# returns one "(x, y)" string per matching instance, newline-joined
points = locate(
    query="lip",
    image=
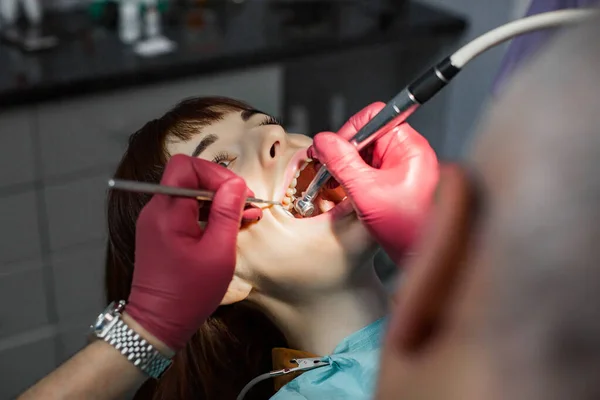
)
(290, 171)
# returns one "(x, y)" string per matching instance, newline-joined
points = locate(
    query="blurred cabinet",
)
(17, 150)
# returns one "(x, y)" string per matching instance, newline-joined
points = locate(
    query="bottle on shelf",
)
(129, 21)
(154, 43)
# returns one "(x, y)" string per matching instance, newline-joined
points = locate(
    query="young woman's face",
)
(282, 251)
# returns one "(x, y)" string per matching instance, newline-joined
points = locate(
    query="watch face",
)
(104, 318)
(98, 325)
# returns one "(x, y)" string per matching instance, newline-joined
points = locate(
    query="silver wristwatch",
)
(110, 327)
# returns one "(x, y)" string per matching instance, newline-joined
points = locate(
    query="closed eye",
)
(224, 159)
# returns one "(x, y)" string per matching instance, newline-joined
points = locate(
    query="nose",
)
(273, 146)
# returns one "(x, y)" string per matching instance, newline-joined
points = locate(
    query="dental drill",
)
(421, 90)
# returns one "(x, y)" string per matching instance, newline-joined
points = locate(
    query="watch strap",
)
(137, 350)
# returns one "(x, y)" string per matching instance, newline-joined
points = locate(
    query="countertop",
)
(92, 58)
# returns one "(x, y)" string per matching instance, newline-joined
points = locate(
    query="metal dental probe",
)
(143, 187)
(435, 79)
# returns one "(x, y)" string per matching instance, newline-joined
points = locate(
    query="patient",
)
(307, 284)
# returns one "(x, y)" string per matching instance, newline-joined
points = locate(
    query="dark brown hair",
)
(234, 345)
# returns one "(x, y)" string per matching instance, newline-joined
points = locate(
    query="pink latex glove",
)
(392, 190)
(181, 270)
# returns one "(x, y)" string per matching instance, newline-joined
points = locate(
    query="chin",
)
(307, 260)
(311, 253)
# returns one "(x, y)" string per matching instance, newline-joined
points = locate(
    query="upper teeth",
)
(289, 198)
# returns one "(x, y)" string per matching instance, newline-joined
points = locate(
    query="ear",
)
(428, 291)
(237, 291)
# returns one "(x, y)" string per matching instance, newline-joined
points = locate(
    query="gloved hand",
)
(182, 271)
(391, 184)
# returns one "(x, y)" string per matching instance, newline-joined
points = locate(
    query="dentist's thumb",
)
(342, 160)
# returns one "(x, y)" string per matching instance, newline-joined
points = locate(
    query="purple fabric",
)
(524, 46)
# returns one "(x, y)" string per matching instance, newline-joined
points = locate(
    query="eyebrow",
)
(204, 143)
(210, 139)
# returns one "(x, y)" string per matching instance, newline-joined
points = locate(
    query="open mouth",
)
(325, 201)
